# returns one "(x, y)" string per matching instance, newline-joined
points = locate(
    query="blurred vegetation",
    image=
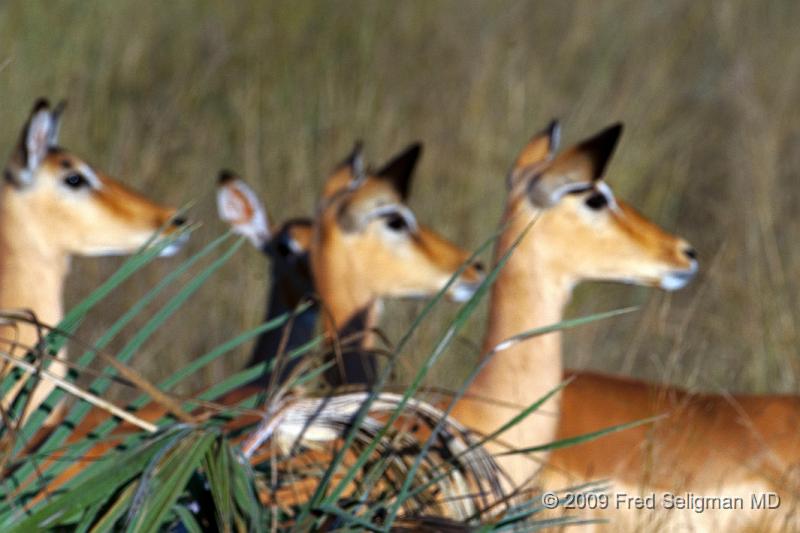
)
(164, 94)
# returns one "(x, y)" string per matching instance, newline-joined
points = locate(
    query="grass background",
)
(164, 94)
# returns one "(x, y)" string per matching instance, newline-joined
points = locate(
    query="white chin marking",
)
(673, 282)
(175, 246)
(462, 292)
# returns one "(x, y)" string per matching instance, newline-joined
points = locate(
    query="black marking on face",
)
(396, 222)
(597, 201)
(75, 180)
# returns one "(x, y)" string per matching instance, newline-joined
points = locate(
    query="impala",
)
(54, 205)
(707, 444)
(368, 245)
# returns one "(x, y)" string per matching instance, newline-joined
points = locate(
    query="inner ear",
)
(541, 147)
(400, 169)
(346, 218)
(39, 132)
(349, 174)
(239, 207)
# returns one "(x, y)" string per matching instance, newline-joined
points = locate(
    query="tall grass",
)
(163, 94)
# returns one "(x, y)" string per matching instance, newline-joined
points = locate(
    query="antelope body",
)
(710, 445)
(54, 205)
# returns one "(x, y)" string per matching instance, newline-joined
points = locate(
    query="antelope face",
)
(582, 229)
(69, 206)
(366, 230)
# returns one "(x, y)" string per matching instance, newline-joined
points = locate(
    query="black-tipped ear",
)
(400, 169)
(226, 176)
(55, 117)
(40, 104)
(34, 141)
(600, 148)
(357, 165)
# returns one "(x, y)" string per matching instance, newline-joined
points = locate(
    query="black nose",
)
(691, 253)
(477, 265)
(179, 221)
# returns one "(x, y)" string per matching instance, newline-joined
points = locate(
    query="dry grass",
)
(164, 94)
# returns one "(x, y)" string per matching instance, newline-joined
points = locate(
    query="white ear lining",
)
(239, 207)
(37, 140)
(359, 171)
(555, 138)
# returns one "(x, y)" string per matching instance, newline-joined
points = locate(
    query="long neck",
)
(283, 300)
(350, 312)
(31, 273)
(351, 321)
(528, 294)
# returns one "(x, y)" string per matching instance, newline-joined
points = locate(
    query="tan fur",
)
(43, 223)
(353, 270)
(707, 444)
(566, 244)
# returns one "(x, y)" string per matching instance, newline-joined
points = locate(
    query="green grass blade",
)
(187, 519)
(76, 415)
(101, 384)
(460, 320)
(172, 479)
(560, 326)
(382, 380)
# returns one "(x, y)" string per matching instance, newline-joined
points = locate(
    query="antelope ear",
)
(239, 207)
(536, 153)
(574, 169)
(39, 130)
(36, 138)
(400, 169)
(350, 173)
(55, 116)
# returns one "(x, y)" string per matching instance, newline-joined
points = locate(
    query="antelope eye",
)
(597, 201)
(396, 222)
(75, 180)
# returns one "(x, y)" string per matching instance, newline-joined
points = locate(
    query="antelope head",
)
(369, 245)
(64, 205)
(582, 230)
